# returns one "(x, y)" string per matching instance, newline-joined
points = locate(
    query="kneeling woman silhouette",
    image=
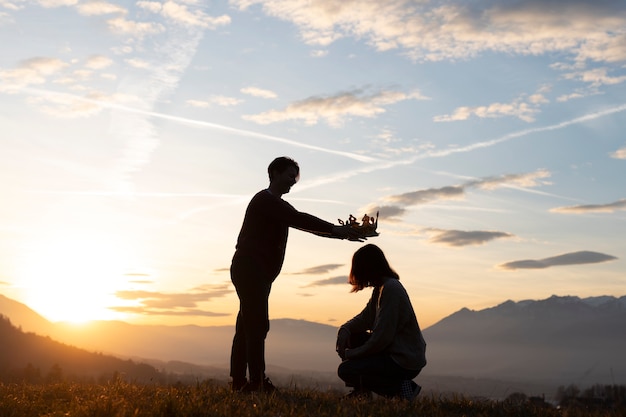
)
(382, 347)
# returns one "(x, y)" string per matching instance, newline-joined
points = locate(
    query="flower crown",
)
(367, 227)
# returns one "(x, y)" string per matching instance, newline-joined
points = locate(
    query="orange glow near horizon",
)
(73, 277)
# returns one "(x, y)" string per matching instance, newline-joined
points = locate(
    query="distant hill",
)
(556, 341)
(560, 339)
(33, 358)
(22, 316)
(294, 344)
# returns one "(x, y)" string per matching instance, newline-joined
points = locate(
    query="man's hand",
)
(348, 232)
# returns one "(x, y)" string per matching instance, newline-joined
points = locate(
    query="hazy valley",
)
(530, 346)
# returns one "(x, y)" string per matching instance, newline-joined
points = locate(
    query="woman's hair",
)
(280, 164)
(369, 268)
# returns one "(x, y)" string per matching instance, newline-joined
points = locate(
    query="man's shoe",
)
(238, 383)
(264, 385)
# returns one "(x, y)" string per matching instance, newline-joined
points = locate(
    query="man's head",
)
(280, 165)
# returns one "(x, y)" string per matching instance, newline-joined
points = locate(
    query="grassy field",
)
(121, 399)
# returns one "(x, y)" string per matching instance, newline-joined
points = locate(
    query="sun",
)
(73, 277)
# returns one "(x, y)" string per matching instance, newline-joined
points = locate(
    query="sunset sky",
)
(490, 136)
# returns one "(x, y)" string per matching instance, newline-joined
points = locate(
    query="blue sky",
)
(489, 135)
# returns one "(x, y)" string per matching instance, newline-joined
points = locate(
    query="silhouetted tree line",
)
(596, 396)
(32, 358)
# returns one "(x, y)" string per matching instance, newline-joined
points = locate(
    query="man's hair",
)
(369, 267)
(280, 164)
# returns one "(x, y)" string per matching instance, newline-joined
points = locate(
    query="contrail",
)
(201, 123)
(486, 144)
(521, 133)
(383, 165)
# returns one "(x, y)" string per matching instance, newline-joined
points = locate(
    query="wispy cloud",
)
(199, 123)
(98, 62)
(573, 258)
(593, 208)
(431, 31)
(258, 92)
(596, 77)
(318, 270)
(524, 110)
(393, 212)
(29, 72)
(335, 109)
(394, 206)
(343, 279)
(619, 154)
(182, 15)
(100, 8)
(464, 238)
(172, 304)
(522, 133)
(218, 100)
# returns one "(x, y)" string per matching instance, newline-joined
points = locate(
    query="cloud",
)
(432, 31)
(596, 77)
(181, 14)
(56, 3)
(219, 100)
(172, 304)
(13, 6)
(334, 109)
(204, 124)
(573, 258)
(343, 279)
(619, 154)
(464, 238)
(521, 110)
(572, 96)
(98, 62)
(124, 26)
(318, 270)
(165, 312)
(30, 72)
(67, 106)
(138, 63)
(458, 191)
(527, 180)
(593, 208)
(524, 108)
(390, 213)
(455, 192)
(99, 8)
(141, 281)
(258, 92)
(427, 195)
(319, 53)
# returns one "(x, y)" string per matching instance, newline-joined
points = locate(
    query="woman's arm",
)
(385, 325)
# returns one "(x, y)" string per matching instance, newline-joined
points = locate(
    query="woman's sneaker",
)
(409, 390)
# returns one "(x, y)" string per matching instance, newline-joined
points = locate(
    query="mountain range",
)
(560, 340)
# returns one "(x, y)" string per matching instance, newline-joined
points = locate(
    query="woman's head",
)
(369, 268)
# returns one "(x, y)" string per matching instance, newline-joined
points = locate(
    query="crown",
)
(367, 227)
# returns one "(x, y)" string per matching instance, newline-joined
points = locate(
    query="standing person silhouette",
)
(382, 347)
(257, 261)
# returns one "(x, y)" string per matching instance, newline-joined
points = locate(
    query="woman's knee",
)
(346, 371)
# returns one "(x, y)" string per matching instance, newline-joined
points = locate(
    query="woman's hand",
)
(343, 339)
